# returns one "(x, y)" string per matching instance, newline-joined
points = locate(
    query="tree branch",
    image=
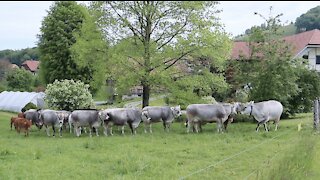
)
(134, 31)
(135, 60)
(174, 34)
(179, 58)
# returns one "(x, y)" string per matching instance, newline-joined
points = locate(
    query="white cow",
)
(164, 114)
(198, 114)
(263, 112)
(231, 111)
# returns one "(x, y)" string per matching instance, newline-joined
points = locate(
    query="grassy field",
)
(241, 153)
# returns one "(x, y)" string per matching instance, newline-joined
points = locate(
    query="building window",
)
(317, 59)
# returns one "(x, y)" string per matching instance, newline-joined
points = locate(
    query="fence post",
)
(316, 114)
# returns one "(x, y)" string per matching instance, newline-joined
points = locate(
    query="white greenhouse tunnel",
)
(15, 101)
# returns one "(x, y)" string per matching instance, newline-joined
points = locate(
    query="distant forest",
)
(19, 56)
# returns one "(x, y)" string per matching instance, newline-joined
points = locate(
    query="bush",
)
(243, 118)
(20, 80)
(68, 95)
(29, 106)
(181, 118)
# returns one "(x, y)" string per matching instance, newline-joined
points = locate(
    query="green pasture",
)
(241, 153)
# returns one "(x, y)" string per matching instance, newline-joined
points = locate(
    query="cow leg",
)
(145, 126)
(276, 124)
(111, 131)
(105, 131)
(257, 128)
(190, 125)
(97, 131)
(77, 130)
(168, 126)
(130, 125)
(265, 126)
(105, 126)
(54, 131)
(90, 130)
(47, 130)
(218, 126)
(60, 131)
(70, 127)
(122, 130)
(200, 127)
(150, 129)
(196, 126)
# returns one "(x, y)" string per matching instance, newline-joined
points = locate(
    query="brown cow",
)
(21, 115)
(24, 124)
(13, 119)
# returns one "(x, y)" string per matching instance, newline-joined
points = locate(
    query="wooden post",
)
(316, 114)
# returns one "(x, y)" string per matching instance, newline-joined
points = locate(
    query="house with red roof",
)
(305, 45)
(31, 65)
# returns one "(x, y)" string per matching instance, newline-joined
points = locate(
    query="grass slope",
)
(239, 154)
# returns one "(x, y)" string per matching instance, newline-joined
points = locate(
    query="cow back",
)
(85, 117)
(157, 113)
(49, 117)
(273, 109)
(206, 112)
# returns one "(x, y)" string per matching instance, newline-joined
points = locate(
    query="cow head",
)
(104, 116)
(236, 107)
(246, 108)
(61, 117)
(176, 111)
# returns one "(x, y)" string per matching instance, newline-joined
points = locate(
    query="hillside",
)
(287, 30)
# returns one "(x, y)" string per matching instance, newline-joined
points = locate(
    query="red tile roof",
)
(299, 42)
(31, 65)
(240, 49)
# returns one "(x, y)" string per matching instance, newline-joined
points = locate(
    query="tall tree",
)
(308, 21)
(63, 19)
(153, 39)
(4, 68)
(20, 80)
(90, 53)
(271, 72)
(62, 45)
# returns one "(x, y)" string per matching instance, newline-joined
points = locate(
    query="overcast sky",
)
(20, 21)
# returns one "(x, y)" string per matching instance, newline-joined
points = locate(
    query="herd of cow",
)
(197, 115)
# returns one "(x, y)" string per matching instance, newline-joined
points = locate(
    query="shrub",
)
(20, 80)
(29, 106)
(68, 95)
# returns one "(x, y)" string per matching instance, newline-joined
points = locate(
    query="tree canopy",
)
(70, 45)
(152, 42)
(309, 20)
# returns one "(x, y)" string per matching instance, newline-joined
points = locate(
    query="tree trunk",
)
(145, 95)
(146, 43)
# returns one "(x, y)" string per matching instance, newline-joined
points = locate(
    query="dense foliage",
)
(64, 52)
(20, 80)
(19, 56)
(309, 20)
(272, 73)
(153, 40)
(68, 95)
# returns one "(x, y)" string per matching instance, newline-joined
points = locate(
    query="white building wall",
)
(312, 52)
